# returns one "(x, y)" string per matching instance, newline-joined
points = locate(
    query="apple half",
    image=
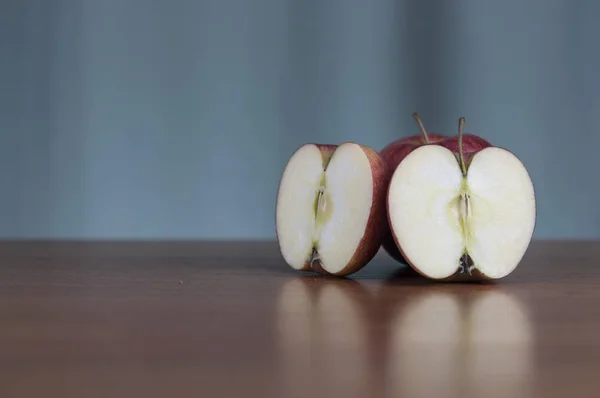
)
(330, 211)
(455, 215)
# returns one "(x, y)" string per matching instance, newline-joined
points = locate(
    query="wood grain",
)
(219, 319)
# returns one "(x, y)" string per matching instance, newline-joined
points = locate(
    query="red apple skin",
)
(393, 154)
(327, 151)
(471, 144)
(397, 150)
(377, 223)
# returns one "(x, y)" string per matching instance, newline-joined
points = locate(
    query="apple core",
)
(323, 209)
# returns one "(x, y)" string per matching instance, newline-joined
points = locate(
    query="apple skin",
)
(396, 151)
(327, 151)
(471, 144)
(376, 225)
(393, 154)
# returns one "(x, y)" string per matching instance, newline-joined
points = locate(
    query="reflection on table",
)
(336, 337)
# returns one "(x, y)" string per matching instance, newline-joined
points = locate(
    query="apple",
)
(462, 209)
(331, 208)
(393, 154)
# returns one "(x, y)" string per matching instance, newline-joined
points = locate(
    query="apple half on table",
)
(330, 211)
(457, 214)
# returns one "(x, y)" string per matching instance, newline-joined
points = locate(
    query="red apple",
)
(397, 150)
(393, 154)
(453, 211)
(330, 212)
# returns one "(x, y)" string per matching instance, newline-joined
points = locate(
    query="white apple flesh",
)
(330, 212)
(451, 217)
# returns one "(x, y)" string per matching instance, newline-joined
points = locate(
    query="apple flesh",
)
(454, 214)
(393, 154)
(330, 211)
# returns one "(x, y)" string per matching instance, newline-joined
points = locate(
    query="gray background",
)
(174, 119)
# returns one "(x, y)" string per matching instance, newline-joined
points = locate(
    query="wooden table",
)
(189, 319)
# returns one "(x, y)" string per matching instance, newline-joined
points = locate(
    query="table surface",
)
(213, 319)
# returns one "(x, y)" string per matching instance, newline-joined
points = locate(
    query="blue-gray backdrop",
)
(174, 119)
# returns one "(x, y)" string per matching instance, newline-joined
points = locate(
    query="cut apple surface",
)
(450, 217)
(330, 212)
(393, 154)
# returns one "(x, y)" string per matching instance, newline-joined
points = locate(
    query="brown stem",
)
(461, 156)
(420, 123)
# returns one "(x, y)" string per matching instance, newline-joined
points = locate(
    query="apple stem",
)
(461, 156)
(421, 126)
